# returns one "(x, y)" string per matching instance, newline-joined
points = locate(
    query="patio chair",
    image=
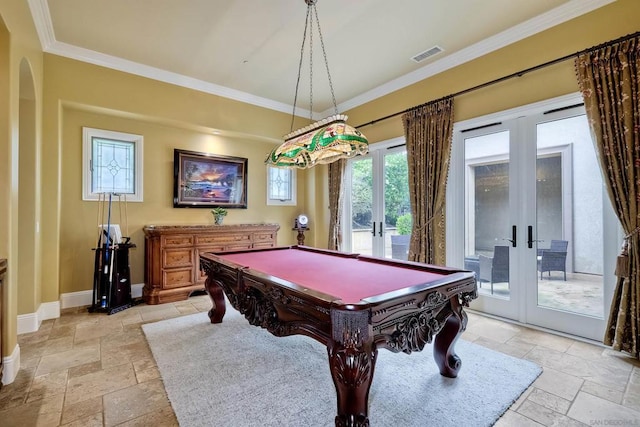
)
(400, 246)
(495, 269)
(554, 258)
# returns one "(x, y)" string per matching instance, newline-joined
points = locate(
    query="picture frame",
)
(205, 180)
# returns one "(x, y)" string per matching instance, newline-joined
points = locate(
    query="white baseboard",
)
(85, 298)
(136, 290)
(49, 310)
(75, 299)
(11, 366)
(28, 323)
(31, 322)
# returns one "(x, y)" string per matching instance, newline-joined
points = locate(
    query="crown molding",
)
(572, 9)
(42, 21)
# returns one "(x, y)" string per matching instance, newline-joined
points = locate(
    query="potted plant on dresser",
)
(218, 215)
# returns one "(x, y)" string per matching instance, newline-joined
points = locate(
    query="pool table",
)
(351, 303)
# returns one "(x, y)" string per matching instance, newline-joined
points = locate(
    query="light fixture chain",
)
(326, 61)
(327, 140)
(304, 39)
(311, 61)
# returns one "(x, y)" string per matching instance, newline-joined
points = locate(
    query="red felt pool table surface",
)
(350, 279)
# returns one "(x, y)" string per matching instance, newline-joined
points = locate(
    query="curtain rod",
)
(508, 77)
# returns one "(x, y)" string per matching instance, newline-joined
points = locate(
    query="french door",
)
(377, 218)
(528, 213)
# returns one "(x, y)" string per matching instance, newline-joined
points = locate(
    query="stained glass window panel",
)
(281, 186)
(113, 166)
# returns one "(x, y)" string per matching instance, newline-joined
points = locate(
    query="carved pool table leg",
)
(352, 368)
(443, 347)
(217, 298)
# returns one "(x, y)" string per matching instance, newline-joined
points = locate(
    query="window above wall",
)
(111, 163)
(281, 186)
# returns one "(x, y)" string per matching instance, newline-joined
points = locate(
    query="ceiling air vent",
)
(427, 54)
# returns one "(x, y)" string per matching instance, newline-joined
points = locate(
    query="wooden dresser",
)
(3, 271)
(172, 254)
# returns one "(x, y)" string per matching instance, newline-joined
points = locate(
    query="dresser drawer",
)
(238, 246)
(262, 237)
(264, 245)
(222, 239)
(264, 240)
(178, 240)
(177, 258)
(177, 278)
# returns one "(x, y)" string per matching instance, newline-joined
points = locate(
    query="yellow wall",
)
(28, 297)
(78, 230)
(70, 94)
(8, 291)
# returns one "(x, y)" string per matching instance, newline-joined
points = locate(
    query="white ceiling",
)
(249, 50)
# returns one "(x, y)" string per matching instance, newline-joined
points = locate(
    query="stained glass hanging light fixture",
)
(324, 141)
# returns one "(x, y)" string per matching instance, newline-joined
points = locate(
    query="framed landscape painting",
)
(204, 180)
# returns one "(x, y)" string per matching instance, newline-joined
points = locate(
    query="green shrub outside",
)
(403, 224)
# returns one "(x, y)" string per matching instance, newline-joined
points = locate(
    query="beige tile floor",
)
(97, 370)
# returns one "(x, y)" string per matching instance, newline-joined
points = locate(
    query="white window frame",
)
(88, 135)
(292, 179)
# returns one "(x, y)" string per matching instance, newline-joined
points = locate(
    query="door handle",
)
(513, 236)
(530, 239)
(374, 229)
(380, 232)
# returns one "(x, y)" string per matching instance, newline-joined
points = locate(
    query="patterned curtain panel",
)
(428, 131)
(609, 79)
(336, 172)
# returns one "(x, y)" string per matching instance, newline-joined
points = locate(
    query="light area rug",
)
(233, 374)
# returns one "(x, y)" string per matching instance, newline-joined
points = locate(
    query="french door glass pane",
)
(487, 220)
(397, 208)
(362, 206)
(569, 213)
